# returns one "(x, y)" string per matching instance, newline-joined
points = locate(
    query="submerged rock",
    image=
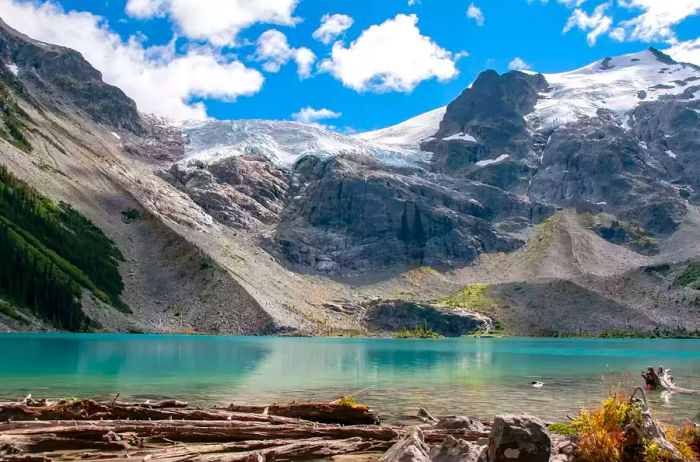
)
(519, 438)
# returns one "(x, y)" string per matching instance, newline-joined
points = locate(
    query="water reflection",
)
(475, 377)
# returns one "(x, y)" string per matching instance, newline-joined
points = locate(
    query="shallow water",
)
(475, 377)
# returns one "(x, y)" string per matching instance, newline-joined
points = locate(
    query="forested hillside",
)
(48, 253)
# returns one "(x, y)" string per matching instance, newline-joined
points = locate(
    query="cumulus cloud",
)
(391, 56)
(596, 23)
(155, 77)
(657, 18)
(652, 20)
(475, 13)
(217, 21)
(273, 51)
(332, 26)
(518, 64)
(687, 52)
(311, 116)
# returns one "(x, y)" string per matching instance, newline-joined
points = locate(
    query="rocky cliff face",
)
(352, 213)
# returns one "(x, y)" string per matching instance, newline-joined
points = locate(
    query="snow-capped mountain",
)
(618, 84)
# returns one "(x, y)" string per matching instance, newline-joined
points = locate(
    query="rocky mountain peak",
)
(492, 99)
(63, 80)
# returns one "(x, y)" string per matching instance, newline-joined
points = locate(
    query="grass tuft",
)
(473, 296)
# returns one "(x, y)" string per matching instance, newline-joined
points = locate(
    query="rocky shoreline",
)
(171, 430)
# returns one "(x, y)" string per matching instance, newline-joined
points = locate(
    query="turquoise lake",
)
(475, 377)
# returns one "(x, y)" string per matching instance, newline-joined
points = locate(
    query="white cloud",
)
(155, 77)
(657, 18)
(653, 21)
(217, 21)
(687, 52)
(618, 34)
(597, 23)
(518, 64)
(475, 13)
(274, 51)
(311, 116)
(391, 56)
(305, 60)
(332, 26)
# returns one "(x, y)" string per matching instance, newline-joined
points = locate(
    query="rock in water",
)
(410, 448)
(519, 438)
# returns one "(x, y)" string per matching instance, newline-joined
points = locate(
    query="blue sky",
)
(227, 76)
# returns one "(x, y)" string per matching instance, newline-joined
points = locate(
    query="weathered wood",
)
(50, 442)
(650, 430)
(92, 410)
(209, 432)
(167, 431)
(318, 412)
(661, 379)
(86, 409)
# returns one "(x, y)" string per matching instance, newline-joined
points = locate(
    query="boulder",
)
(519, 438)
(410, 448)
(460, 422)
(454, 450)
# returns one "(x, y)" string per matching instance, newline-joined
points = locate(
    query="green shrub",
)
(419, 332)
(130, 215)
(565, 429)
(689, 277)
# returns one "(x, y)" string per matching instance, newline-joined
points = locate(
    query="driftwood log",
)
(317, 412)
(650, 430)
(662, 379)
(169, 431)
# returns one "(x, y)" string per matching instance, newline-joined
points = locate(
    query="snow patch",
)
(671, 154)
(116, 135)
(615, 87)
(485, 162)
(409, 133)
(13, 68)
(461, 136)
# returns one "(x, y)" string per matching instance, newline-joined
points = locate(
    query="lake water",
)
(475, 377)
